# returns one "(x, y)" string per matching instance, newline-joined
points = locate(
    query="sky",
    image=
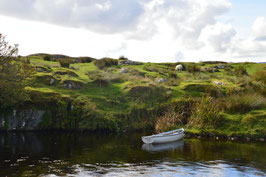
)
(142, 30)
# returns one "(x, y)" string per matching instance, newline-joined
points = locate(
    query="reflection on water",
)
(86, 154)
(163, 146)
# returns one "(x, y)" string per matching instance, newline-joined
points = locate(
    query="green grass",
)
(115, 98)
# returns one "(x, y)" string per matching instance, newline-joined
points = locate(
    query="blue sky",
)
(244, 13)
(144, 30)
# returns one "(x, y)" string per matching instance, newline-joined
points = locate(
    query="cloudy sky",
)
(143, 30)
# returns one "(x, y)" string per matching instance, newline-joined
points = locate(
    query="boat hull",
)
(164, 138)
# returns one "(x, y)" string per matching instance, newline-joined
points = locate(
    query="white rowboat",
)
(165, 137)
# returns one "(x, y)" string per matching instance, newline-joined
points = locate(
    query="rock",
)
(41, 69)
(248, 139)
(199, 137)
(219, 83)
(213, 70)
(203, 69)
(124, 70)
(261, 139)
(52, 80)
(23, 119)
(161, 80)
(71, 84)
(129, 62)
(221, 66)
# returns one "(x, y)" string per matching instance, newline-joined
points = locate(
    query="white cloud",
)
(105, 16)
(259, 28)
(218, 36)
(147, 30)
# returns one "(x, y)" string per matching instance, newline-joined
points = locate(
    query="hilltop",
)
(207, 98)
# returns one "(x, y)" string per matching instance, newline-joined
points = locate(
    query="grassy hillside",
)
(106, 95)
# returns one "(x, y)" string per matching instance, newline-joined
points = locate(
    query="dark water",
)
(77, 154)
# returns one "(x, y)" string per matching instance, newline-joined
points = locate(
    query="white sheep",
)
(179, 68)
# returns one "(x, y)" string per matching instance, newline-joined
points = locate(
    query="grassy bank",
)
(110, 94)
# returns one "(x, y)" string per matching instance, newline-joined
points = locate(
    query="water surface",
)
(87, 154)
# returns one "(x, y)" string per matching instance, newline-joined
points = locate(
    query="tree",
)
(13, 72)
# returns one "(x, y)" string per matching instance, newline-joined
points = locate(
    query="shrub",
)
(47, 58)
(241, 71)
(206, 112)
(87, 59)
(122, 58)
(95, 74)
(147, 93)
(260, 76)
(169, 121)
(248, 119)
(172, 75)
(65, 62)
(192, 68)
(243, 103)
(105, 62)
(101, 82)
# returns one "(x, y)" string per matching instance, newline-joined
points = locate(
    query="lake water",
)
(88, 154)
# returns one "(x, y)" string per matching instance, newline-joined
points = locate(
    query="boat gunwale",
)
(165, 134)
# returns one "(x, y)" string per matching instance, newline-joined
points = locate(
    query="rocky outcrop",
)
(219, 83)
(22, 120)
(161, 80)
(124, 70)
(129, 62)
(71, 84)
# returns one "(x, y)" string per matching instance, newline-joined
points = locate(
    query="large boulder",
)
(161, 80)
(72, 84)
(219, 83)
(129, 62)
(22, 120)
(124, 70)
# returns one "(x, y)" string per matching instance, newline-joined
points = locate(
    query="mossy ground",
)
(117, 97)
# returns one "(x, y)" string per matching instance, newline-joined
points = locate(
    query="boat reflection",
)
(163, 146)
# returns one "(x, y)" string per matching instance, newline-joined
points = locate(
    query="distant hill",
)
(60, 56)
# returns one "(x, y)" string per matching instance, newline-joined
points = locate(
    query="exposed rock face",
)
(22, 120)
(211, 69)
(128, 62)
(41, 69)
(124, 70)
(221, 66)
(219, 83)
(52, 80)
(71, 84)
(161, 80)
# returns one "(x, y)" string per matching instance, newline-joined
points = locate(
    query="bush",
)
(101, 82)
(86, 59)
(65, 62)
(122, 58)
(172, 75)
(95, 74)
(192, 68)
(169, 121)
(105, 62)
(206, 112)
(260, 76)
(243, 103)
(241, 71)
(47, 58)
